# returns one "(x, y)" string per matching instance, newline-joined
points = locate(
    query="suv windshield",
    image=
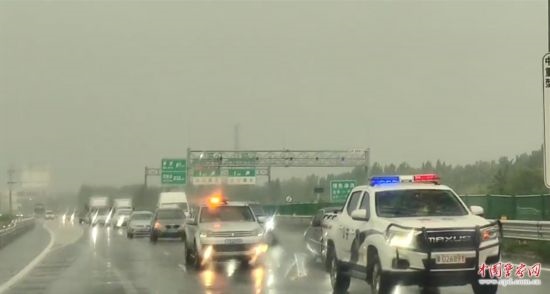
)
(170, 214)
(226, 214)
(258, 210)
(415, 203)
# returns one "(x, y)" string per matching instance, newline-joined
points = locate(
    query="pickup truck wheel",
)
(340, 282)
(380, 283)
(483, 289)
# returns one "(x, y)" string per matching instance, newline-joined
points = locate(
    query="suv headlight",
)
(402, 238)
(489, 233)
(259, 232)
(270, 224)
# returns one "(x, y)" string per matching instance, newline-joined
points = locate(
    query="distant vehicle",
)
(120, 217)
(315, 234)
(167, 223)
(139, 224)
(100, 216)
(99, 210)
(168, 199)
(39, 210)
(222, 229)
(122, 203)
(49, 215)
(267, 222)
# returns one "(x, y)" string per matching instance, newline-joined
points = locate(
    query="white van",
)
(170, 199)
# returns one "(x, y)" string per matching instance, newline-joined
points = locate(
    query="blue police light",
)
(384, 180)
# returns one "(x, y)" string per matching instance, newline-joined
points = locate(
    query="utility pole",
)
(236, 136)
(11, 182)
(145, 177)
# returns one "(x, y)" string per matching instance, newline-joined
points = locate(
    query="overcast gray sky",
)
(97, 90)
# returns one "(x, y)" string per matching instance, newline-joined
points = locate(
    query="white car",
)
(120, 217)
(49, 215)
(139, 224)
(224, 230)
(410, 230)
(100, 216)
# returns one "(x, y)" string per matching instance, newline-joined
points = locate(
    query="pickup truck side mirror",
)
(360, 215)
(477, 210)
(262, 219)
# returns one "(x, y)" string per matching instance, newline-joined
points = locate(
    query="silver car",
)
(139, 224)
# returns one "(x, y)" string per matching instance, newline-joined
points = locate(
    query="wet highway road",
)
(102, 260)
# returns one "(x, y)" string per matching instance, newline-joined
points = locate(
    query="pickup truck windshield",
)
(226, 214)
(418, 203)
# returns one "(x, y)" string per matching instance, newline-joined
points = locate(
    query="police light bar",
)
(421, 178)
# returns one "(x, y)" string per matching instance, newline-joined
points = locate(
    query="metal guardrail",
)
(526, 230)
(511, 229)
(14, 229)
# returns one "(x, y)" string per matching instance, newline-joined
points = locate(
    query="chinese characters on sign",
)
(546, 108)
(173, 171)
(340, 189)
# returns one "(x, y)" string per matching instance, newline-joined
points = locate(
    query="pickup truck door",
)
(361, 228)
(347, 227)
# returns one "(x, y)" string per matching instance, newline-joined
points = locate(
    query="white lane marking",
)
(29, 267)
(182, 267)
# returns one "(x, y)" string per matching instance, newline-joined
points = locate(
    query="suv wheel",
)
(188, 253)
(339, 281)
(380, 283)
(197, 260)
(153, 238)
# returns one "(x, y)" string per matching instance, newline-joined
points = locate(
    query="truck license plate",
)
(450, 259)
(233, 241)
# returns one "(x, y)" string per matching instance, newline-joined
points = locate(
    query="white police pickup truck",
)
(410, 230)
(222, 230)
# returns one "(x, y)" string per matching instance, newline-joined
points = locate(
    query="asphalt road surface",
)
(102, 260)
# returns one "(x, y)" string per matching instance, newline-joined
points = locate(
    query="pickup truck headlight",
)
(489, 233)
(402, 238)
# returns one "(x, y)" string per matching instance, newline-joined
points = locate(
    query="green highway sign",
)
(340, 189)
(241, 176)
(213, 172)
(173, 171)
(242, 172)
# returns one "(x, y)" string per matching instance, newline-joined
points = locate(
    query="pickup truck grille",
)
(448, 240)
(231, 247)
(231, 234)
